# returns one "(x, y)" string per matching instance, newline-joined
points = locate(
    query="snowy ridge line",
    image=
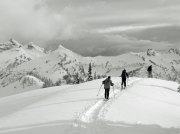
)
(91, 114)
(104, 109)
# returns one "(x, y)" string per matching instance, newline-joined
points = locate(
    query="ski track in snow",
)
(99, 108)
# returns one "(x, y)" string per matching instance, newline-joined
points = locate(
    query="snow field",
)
(145, 106)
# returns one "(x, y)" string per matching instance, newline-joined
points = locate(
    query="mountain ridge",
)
(64, 66)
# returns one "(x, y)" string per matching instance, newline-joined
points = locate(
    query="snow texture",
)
(145, 106)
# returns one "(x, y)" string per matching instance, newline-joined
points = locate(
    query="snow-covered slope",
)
(20, 60)
(25, 84)
(62, 61)
(13, 54)
(14, 51)
(146, 106)
(150, 101)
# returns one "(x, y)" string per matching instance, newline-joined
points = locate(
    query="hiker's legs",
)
(107, 93)
(123, 83)
(149, 74)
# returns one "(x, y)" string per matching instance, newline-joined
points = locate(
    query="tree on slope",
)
(90, 73)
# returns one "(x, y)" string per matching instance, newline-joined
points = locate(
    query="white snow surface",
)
(25, 84)
(146, 106)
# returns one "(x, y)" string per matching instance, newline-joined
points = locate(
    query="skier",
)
(150, 71)
(124, 75)
(107, 83)
(179, 88)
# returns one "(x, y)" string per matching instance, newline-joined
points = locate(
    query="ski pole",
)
(99, 89)
(113, 91)
(127, 81)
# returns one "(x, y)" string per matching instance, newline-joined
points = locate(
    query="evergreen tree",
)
(59, 82)
(76, 78)
(90, 72)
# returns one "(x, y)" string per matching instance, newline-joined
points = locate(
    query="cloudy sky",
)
(93, 27)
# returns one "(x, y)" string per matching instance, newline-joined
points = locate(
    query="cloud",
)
(26, 20)
(129, 28)
(109, 45)
(158, 34)
(32, 20)
(89, 27)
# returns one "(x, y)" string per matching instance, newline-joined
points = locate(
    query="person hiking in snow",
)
(124, 75)
(107, 84)
(150, 71)
(179, 88)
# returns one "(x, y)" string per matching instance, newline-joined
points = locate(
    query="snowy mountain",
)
(63, 66)
(146, 106)
(13, 54)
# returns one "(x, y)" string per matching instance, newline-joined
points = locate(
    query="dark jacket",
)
(124, 74)
(107, 83)
(149, 69)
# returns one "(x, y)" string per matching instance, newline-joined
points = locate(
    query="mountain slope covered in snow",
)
(145, 106)
(64, 66)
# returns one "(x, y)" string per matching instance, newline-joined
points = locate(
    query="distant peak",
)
(151, 52)
(12, 43)
(32, 45)
(61, 49)
(174, 50)
(15, 43)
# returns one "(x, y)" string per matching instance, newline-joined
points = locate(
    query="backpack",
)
(149, 68)
(103, 82)
(107, 83)
(124, 74)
